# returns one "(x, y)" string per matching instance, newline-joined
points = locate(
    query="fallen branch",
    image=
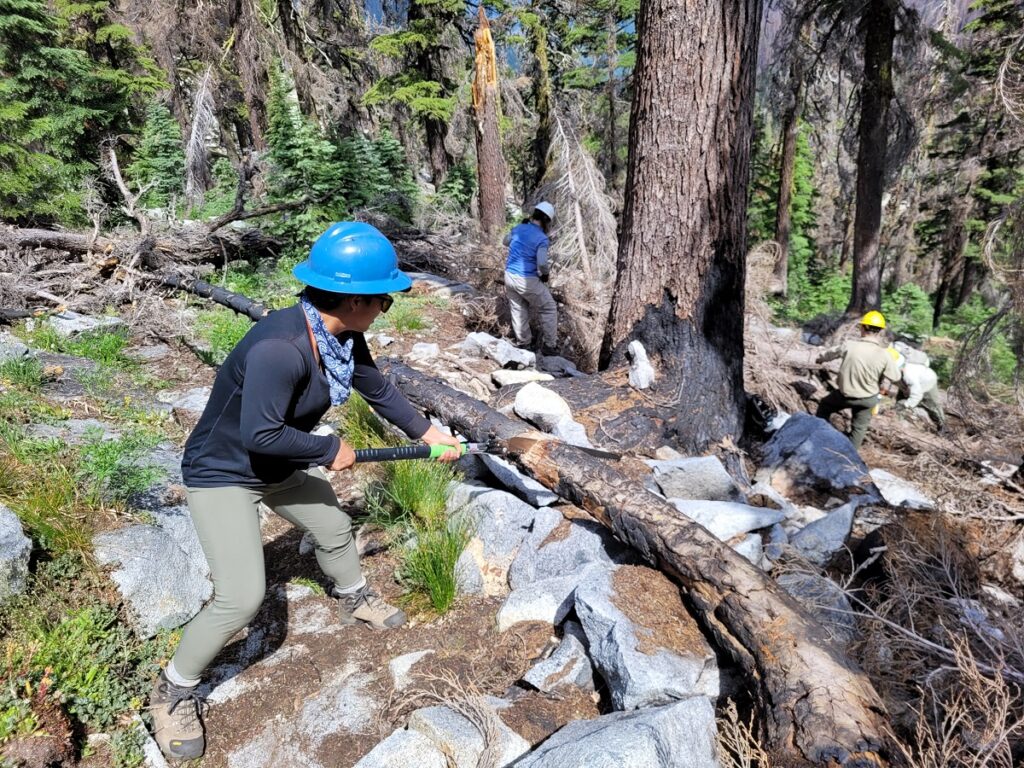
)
(819, 706)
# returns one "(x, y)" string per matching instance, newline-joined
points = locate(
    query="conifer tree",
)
(56, 105)
(159, 160)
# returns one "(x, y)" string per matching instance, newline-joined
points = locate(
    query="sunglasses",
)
(385, 302)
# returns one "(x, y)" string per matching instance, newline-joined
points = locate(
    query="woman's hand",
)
(344, 458)
(435, 436)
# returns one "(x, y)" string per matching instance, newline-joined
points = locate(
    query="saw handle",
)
(404, 452)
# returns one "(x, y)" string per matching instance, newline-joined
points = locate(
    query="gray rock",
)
(751, 547)
(808, 451)
(559, 547)
(820, 540)
(679, 735)
(558, 366)
(570, 431)
(500, 351)
(526, 488)
(726, 519)
(71, 323)
(568, 666)
(637, 677)
(825, 601)
(15, 550)
(453, 734)
(898, 492)
(548, 600)
(506, 378)
(469, 571)
(150, 354)
(75, 431)
(11, 348)
(1017, 561)
(698, 477)
(540, 406)
(403, 749)
(641, 372)
(911, 354)
(383, 340)
(192, 400)
(974, 616)
(163, 585)
(499, 522)
(667, 453)
(763, 495)
(424, 351)
(776, 540)
(400, 666)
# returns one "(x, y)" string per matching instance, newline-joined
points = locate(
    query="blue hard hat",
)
(353, 257)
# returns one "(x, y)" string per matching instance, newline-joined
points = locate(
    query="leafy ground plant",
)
(221, 330)
(25, 373)
(115, 469)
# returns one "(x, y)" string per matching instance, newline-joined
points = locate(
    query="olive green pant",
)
(227, 520)
(860, 408)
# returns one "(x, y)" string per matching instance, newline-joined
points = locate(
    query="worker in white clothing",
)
(919, 386)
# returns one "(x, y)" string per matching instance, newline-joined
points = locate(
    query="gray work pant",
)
(933, 407)
(860, 408)
(227, 520)
(526, 292)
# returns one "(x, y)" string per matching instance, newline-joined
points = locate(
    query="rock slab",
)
(15, 550)
(71, 323)
(678, 735)
(644, 666)
(568, 666)
(506, 355)
(697, 477)
(541, 406)
(808, 451)
(454, 735)
(898, 492)
(726, 519)
(526, 488)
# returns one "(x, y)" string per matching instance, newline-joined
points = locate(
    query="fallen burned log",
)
(820, 708)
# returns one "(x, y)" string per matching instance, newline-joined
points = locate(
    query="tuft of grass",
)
(221, 330)
(105, 347)
(116, 469)
(428, 566)
(410, 492)
(360, 426)
(316, 587)
(25, 373)
(405, 315)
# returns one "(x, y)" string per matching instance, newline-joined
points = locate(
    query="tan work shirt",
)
(865, 363)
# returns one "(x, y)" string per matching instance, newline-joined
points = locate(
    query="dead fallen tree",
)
(818, 705)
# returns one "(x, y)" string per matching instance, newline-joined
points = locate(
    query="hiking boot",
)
(549, 351)
(364, 605)
(177, 720)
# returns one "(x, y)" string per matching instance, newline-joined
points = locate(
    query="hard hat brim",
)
(397, 283)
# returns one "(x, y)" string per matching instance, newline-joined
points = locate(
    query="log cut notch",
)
(819, 706)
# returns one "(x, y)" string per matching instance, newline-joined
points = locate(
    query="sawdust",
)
(652, 603)
(535, 716)
(559, 533)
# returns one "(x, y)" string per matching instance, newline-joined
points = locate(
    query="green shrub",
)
(406, 314)
(428, 565)
(115, 469)
(221, 329)
(159, 161)
(221, 198)
(126, 748)
(25, 373)
(458, 188)
(908, 312)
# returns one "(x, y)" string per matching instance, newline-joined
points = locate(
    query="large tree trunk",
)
(818, 705)
(542, 101)
(431, 67)
(611, 140)
(879, 17)
(490, 162)
(787, 168)
(681, 258)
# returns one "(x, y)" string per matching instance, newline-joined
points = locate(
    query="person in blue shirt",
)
(526, 277)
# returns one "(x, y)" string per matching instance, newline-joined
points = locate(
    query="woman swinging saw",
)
(253, 444)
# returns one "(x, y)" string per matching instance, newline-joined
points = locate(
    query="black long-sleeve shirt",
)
(267, 397)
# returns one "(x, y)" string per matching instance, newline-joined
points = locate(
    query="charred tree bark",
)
(879, 17)
(820, 707)
(787, 168)
(490, 162)
(611, 52)
(681, 258)
(542, 102)
(954, 244)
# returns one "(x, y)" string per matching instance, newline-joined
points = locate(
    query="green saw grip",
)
(404, 452)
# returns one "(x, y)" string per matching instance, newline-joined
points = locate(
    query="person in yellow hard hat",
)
(865, 374)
